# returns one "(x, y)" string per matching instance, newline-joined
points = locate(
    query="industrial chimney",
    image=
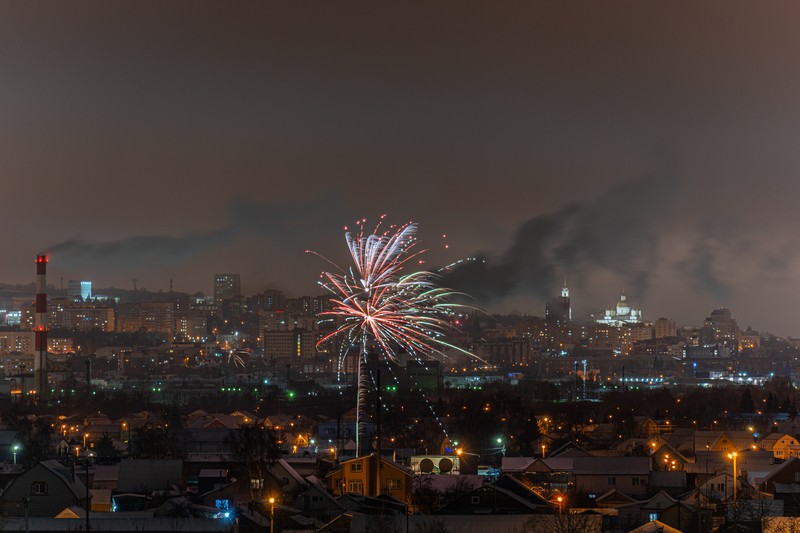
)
(40, 328)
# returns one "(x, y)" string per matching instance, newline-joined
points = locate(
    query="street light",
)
(16, 449)
(733, 456)
(272, 515)
(559, 499)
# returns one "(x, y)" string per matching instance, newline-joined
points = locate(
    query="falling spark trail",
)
(377, 302)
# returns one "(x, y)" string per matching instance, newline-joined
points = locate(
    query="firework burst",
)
(235, 358)
(374, 300)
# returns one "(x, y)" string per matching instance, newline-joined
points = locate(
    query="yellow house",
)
(359, 475)
(782, 445)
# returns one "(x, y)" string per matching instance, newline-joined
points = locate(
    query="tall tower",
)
(40, 328)
(559, 308)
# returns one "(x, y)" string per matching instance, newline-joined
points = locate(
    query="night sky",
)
(654, 150)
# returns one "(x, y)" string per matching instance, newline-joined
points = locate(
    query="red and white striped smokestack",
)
(40, 327)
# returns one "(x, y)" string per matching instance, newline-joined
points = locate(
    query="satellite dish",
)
(445, 465)
(426, 466)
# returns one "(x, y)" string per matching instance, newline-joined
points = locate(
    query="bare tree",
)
(437, 524)
(383, 523)
(424, 497)
(568, 522)
(257, 447)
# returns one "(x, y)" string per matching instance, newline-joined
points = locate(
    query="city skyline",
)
(626, 145)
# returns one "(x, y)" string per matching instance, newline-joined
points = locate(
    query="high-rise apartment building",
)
(723, 327)
(665, 327)
(226, 287)
(289, 345)
(269, 300)
(148, 317)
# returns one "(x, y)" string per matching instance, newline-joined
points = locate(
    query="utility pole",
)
(378, 429)
(88, 496)
(25, 502)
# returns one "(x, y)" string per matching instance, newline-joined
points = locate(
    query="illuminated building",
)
(191, 328)
(81, 316)
(360, 476)
(287, 345)
(665, 327)
(622, 314)
(16, 342)
(226, 287)
(148, 317)
(60, 345)
(79, 290)
(559, 309)
(749, 340)
(722, 328)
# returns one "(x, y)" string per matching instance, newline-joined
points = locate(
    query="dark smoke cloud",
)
(246, 218)
(620, 233)
(135, 251)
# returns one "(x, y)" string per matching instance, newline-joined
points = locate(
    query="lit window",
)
(39, 488)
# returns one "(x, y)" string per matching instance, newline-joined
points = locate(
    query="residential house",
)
(613, 499)
(316, 502)
(722, 441)
(666, 457)
(598, 475)
(782, 445)
(553, 474)
(635, 514)
(225, 496)
(513, 485)
(646, 426)
(48, 488)
(144, 476)
(492, 499)
(684, 516)
(359, 476)
(787, 474)
(718, 487)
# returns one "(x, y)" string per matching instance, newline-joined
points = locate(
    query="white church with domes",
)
(622, 314)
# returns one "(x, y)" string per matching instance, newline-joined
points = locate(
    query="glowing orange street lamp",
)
(733, 456)
(272, 515)
(560, 500)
